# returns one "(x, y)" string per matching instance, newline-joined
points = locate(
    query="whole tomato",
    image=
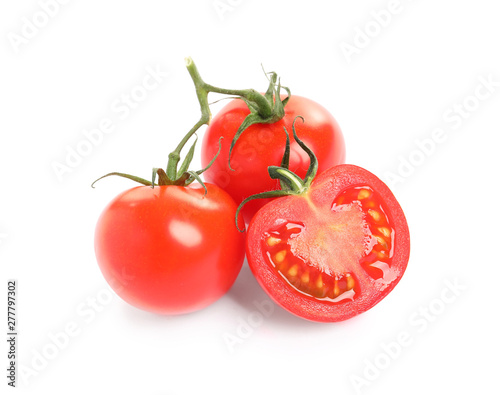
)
(261, 145)
(170, 249)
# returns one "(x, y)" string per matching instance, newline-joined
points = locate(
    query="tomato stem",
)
(291, 180)
(263, 109)
(133, 178)
(313, 161)
(263, 195)
(290, 183)
(259, 102)
(202, 94)
(288, 179)
(267, 108)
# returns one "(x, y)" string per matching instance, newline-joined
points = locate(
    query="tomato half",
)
(171, 249)
(334, 251)
(261, 145)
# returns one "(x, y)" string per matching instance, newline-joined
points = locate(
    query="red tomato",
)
(261, 145)
(170, 250)
(334, 251)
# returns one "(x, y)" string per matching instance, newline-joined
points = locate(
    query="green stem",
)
(290, 183)
(124, 175)
(202, 90)
(268, 108)
(202, 94)
(263, 109)
(294, 183)
(263, 105)
(263, 195)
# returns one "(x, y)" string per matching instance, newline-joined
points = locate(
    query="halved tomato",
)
(333, 251)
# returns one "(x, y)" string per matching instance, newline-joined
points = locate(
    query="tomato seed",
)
(363, 194)
(381, 241)
(293, 270)
(336, 289)
(272, 241)
(385, 231)
(319, 282)
(374, 214)
(381, 255)
(350, 282)
(280, 256)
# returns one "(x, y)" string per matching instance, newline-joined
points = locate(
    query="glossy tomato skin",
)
(262, 145)
(303, 209)
(170, 250)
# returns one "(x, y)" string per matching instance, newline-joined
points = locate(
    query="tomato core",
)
(333, 255)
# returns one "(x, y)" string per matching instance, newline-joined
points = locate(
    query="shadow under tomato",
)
(137, 316)
(248, 294)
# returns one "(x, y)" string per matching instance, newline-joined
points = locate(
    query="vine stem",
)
(263, 109)
(262, 105)
(290, 183)
(202, 94)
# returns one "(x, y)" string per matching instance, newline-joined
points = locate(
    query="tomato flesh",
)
(309, 259)
(377, 260)
(333, 252)
(298, 272)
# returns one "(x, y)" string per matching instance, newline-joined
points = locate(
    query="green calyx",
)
(173, 174)
(183, 176)
(267, 108)
(264, 108)
(290, 183)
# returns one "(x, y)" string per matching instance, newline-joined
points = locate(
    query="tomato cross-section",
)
(334, 251)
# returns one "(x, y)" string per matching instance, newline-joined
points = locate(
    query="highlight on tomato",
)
(328, 247)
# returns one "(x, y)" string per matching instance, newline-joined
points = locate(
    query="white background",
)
(404, 83)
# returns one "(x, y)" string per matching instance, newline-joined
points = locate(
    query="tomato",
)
(333, 251)
(261, 145)
(171, 249)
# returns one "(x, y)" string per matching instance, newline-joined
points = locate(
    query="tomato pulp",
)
(261, 145)
(171, 249)
(334, 251)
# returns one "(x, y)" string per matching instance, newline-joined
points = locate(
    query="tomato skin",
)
(170, 250)
(300, 209)
(262, 145)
